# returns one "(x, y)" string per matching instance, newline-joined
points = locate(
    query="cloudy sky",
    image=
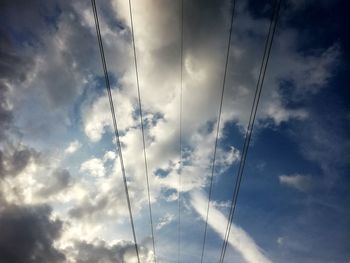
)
(62, 196)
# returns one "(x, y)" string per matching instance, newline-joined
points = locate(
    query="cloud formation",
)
(239, 239)
(165, 220)
(100, 252)
(300, 182)
(14, 159)
(94, 167)
(59, 180)
(28, 234)
(72, 147)
(52, 94)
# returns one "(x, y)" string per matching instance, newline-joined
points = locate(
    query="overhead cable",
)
(218, 128)
(180, 137)
(115, 125)
(259, 85)
(142, 129)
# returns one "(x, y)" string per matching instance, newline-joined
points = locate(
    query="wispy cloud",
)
(239, 239)
(300, 182)
(72, 147)
(165, 220)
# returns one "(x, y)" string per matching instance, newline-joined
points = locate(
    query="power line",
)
(266, 56)
(142, 129)
(218, 127)
(116, 132)
(180, 139)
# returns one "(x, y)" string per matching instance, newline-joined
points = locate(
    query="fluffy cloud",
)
(93, 167)
(98, 119)
(106, 199)
(72, 147)
(203, 76)
(29, 177)
(108, 156)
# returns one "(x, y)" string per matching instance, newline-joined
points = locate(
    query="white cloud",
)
(221, 206)
(110, 155)
(72, 147)
(239, 239)
(226, 158)
(281, 114)
(159, 85)
(97, 117)
(30, 177)
(93, 167)
(300, 182)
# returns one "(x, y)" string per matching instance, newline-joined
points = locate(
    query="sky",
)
(62, 196)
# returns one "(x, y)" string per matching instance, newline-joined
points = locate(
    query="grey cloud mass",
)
(13, 159)
(59, 180)
(100, 252)
(28, 234)
(89, 208)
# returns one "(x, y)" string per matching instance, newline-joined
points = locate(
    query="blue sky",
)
(62, 197)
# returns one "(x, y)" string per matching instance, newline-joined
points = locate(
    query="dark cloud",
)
(2, 168)
(49, 50)
(13, 69)
(13, 63)
(20, 160)
(6, 116)
(102, 252)
(60, 179)
(89, 208)
(27, 235)
(28, 37)
(14, 161)
(41, 14)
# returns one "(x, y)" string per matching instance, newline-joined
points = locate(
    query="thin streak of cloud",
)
(300, 182)
(239, 239)
(165, 220)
